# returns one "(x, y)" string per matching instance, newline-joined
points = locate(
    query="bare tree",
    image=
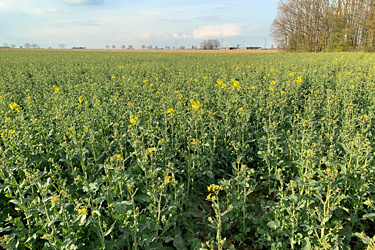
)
(62, 46)
(123, 47)
(35, 46)
(130, 46)
(107, 47)
(27, 45)
(5, 45)
(143, 46)
(182, 47)
(12, 45)
(149, 46)
(210, 44)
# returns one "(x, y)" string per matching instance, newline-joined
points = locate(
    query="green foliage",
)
(104, 150)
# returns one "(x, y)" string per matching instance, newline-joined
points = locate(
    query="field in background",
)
(160, 50)
(188, 51)
(135, 150)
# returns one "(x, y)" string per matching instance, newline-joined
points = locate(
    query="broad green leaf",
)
(178, 242)
(273, 224)
(369, 216)
(306, 245)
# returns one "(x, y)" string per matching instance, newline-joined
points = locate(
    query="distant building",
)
(240, 48)
(228, 48)
(253, 48)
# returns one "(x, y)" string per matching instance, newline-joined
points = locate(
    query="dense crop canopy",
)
(103, 150)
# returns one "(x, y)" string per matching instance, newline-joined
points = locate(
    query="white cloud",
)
(41, 11)
(214, 31)
(179, 36)
(186, 36)
(159, 34)
(83, 2)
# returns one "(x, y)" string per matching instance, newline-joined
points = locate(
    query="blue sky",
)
(97, 23)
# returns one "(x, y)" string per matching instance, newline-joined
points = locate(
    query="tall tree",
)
(325, 25)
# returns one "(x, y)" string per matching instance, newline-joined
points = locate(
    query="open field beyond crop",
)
(102, 150)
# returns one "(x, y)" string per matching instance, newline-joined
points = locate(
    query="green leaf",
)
(273, 224)
(327, 218)
(178, 242)
(18, 204)
(122, 207)
(117, 244)
(5, 229)
(347, 151)
(212, 226)
(306, 245)
(365, 239)
(168, 239)
(142, 198)
(110, 229)
(156, 246)
(369, 216)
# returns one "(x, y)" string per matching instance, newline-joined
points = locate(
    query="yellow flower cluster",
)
(299, 79)
(220, 83)
(195, 104)
(82, 211)
(56, 89)
(150, 150)
(167, 179)
(15, 106)
(210, 197)
(214, 188)
(133, 119)
(180, 96)
(236, 85)
(170, 111)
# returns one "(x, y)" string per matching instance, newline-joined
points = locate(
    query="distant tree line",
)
(325, 25)
(27, 45)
